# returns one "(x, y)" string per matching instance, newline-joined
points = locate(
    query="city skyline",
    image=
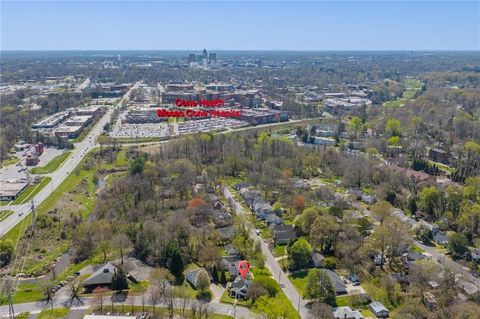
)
(217, 26)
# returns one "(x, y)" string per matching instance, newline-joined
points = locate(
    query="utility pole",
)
(8, 286)
(32, 207)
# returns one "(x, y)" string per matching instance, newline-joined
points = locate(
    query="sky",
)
(240, 25)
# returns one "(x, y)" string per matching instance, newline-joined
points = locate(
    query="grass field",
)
(31, 191)
(299, 280)
(9, 161)
(4, 214)
(51, 166)
(139, 309)
(55, 313)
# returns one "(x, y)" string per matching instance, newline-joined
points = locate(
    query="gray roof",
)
(102, 276)
(346, 312)
(377, 307)
(337, 282)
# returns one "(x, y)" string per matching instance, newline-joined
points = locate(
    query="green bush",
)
(204, 295)
(330, 262)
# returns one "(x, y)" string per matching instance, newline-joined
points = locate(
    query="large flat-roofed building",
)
(170, 97)
(263, 116)
(68, 131)
(11, 190)
(78, 120)
(51, 120)
(89, 110)
(220, 87)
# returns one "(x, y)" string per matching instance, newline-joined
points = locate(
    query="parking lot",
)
(125, 130)
(19, 170)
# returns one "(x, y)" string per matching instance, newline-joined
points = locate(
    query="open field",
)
(51, 166)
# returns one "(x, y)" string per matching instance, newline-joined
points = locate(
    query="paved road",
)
(36, 307)
(81, 148)
(271, 263)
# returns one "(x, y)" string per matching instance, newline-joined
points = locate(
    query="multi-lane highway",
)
(81, 149)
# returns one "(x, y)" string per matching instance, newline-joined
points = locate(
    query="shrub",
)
(330, 262)
(204, 295)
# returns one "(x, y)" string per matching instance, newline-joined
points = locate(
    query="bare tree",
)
(75, 289)
(99, 295)
(48, 294)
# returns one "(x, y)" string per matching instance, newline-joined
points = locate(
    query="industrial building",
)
(52, 120)
(89, 110)
(11, 190)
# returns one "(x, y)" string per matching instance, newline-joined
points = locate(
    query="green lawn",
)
(394, 103)
(279, 250)
(227, 299)
(55, 313)
(4, 214)
(31, 191)
(25, 293)
(9, 161)
(343, 301)
(299, 280)
(107, 307)
(51, 166)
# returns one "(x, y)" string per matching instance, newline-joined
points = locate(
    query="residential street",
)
(278, 274)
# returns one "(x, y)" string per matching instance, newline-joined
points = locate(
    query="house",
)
(239, 288)
(221, 218)
(231, 251)
(468, 288)
(346, 313)
(283, 234)
(440, 238)
(378, 309)
(354, 279)
(429, 301)
(368, 199)
(337, 282)
(102, 277)
(230, 264)
(193, 275)
(438, 155)
(412, 257)
(272, 219)
(241, 185)
(475, 254)
(318, 259)
(225, 233)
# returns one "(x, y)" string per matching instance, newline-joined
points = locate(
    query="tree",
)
(255, 291)
(299, 254)
(119, 279)
(457, 245)
(330, 262)
(355, 126)
(98, 298)
(320, 310)
(162, 279)
(103, 236)
(393, 127)
(174, 260)
(382, 210)
(421, 272)
(364, 226)
(208, 256)
(7, 249)
(429, 199)
(305, 220)
(74, 292)
(122, 243)
(320, 288)
(298, 203)
(137, 166)
(324, 232)
(203, 280)
(48, 293)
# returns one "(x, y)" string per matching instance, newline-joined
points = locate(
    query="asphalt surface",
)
(77, 311)
(277, 273)
(81, 149)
